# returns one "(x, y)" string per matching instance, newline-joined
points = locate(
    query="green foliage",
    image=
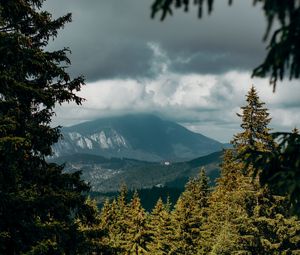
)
(282, 167)
(112, 217)
(111, 226)
(161, 230)
(126, 225)
(189, 215)
(255, 121)
(91, 228)
(39, 204)
(230, 228)
(283, 50)
(136, 233)
(268, 209)
(245, 217)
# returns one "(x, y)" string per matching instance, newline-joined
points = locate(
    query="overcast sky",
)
(195, 72)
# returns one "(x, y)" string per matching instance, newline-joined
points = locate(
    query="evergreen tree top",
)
(255, 131)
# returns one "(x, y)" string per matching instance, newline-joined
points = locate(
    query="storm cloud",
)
(109, 38)
(192, 71)
(205, 103)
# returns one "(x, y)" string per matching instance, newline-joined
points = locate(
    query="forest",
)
(252, 209)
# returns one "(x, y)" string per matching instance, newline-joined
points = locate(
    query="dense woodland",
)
(46, 211)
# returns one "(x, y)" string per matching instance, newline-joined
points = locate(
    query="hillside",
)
(107, 174)
(141, 136)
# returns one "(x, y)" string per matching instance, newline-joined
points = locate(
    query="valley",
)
(108, 174)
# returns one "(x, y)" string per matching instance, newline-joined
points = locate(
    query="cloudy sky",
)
(195, 72)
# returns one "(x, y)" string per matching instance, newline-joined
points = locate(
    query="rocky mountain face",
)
(143, 137)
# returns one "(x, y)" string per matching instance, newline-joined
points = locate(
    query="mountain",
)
(107, 174)
(141, 136)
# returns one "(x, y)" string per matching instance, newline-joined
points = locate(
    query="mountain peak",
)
(138, 136)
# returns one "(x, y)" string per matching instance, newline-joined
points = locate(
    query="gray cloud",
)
(109, 38)
(204, 103)
(192, 71)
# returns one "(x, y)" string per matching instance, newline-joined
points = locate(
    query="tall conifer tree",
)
(162, 241)
(39, 204)
(113, 215)
(229, 228)
(93, 232)
(252, 219)
(269, 209)
(136, 229)
(255, 120)
(189, 215)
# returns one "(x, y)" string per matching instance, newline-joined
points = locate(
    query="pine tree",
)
(279, 232)
(189, 215)
(93, 231)
(162, 241)
(39, 204)
(136, 234)
(268, 209)
(110, 225)
(229, 228)
(255, 121)
(252, 219)
(112, 216)
(282, 168)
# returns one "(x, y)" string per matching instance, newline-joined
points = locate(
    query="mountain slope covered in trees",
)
(107, 174)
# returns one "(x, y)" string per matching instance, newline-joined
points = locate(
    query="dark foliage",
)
(148, 197)
(282, 167)
(39, 204)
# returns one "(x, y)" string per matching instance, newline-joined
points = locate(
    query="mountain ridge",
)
(138, 136)
(108, 174)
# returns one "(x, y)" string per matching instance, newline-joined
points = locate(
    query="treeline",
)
(148, 197)
(237, 216)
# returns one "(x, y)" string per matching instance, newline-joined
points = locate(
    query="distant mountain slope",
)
(107, 174)
(141, 136)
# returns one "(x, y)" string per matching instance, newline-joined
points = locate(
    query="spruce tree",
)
(229, 228)
(112, 216)
(93, 232)
(282, 168)
(161, 229)
(279, 232)
(189, 215)
(255, 220)
(39, 204)
(255, 120)
(268, 209)
(110, 225)
(136, 229)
